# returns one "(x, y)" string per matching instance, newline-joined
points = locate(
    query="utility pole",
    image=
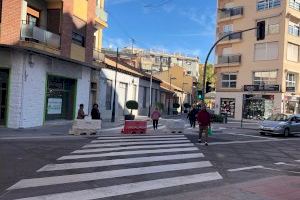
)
(132, 43)
(150, 102)
(113, 113)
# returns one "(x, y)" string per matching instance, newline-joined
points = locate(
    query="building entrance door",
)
(4, 73)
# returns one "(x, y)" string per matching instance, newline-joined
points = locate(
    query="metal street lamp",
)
(182, 95)
(150, 100)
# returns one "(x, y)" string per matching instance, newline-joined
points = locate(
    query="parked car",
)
(281, 124)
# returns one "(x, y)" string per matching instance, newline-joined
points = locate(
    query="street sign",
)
(261, 88)
(290, 89)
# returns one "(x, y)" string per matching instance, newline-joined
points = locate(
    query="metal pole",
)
(113, 112)
(150, 102)
(211, 49)
(169, 97)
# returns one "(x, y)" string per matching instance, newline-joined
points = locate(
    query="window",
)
(108, 94)
(272, 25)
(267, 4)
(228, 28)
(32, 16)
(290, 80)
(144, 97)
(266, 51)
(295, 4)
(265, 78)
(293, 52)
(78, 39)
(229, 80)
(294, 29)
(227, 106)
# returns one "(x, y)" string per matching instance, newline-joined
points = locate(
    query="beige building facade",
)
(256, 79)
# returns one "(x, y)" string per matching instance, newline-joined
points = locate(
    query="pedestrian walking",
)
(155, 117)
(95, 112)
(204, 120)
(192, 116)
(81, 114)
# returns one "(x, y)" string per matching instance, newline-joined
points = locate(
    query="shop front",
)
(60, 98)
(258, 106)
(227, 106)
(4, 74)
(292, 105)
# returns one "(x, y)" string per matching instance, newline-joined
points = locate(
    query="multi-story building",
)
(147, 60)
(46, 53)
(258, 78)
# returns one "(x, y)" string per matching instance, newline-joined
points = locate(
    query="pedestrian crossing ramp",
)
(117, 166)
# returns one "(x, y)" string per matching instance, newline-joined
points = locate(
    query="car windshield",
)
(278, 117)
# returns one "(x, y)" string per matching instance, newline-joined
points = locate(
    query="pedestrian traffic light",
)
(208, 87)
(200, 94)
(261, 30)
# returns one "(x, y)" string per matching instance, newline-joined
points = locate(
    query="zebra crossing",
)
(118, 166)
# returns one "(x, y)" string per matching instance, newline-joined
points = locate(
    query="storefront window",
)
(227, 106)
(258, 106)
(292, 105)
(60, 98)
(265, 78)
(3, 94)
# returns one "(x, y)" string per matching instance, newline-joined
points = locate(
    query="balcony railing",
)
(98, 55)
(34, 33)
(294, 5)
(101, 14)
(230, 12)
(234, 36)
(229, 59)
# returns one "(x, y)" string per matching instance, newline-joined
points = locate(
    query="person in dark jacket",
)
(192, 116)
(204, 119)
(80, 113)
(95, 112)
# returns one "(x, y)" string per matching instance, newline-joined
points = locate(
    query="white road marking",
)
(245, 168)
(125, 153)
(288, 164)
(138, 140)
(134, 143)
(297, 160)
(79, 165)
(111, 129)
(139, 136)
(251, 141)
(132, 147)
(37, 182)
(129, 188)
(255, 136)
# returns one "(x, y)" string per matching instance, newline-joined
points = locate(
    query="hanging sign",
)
(54, 106)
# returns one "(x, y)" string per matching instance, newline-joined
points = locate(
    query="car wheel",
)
(286, 132)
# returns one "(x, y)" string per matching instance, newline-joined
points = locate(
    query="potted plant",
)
(132, 105)
(160, 106)
(175, 106)
(186, 106)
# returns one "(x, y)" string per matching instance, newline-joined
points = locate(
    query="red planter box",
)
(135, 127)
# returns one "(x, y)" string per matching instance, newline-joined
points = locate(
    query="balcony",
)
(236, 37)
(98, 56)
(101, 18)
(294, 5)
(32, 33)
(230, 13)
(229, 60)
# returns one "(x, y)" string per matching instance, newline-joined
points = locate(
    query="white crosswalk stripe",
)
(174, 161)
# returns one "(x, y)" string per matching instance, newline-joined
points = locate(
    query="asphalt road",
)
(237, 164)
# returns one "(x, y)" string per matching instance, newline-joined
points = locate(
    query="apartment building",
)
(46, 53)
(159, 61)
(258, 78)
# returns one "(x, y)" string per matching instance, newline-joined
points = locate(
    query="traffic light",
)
(200, 94)
(261, 30)
(208, 87)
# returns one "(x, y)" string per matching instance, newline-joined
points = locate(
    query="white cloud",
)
(114, 43)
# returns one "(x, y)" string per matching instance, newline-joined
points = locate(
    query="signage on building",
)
(54, 106)
(261, 88)
(290, 89)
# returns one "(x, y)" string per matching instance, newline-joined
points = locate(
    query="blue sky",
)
(185, 26)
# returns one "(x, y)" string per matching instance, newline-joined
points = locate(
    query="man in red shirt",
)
(203, 118)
